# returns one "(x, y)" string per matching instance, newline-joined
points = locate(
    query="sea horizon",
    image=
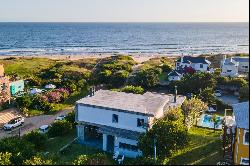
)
(160, 38)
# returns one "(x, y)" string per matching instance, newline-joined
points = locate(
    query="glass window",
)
(229, 70)
(140, 122)
(115, 118)
(201, 65)
(246, 137)
(128, 147)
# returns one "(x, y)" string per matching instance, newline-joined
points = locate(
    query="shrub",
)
(20, 149)
(132, 89)
(95, 159)
(5, 158)
(143, 161)
(36, 138)
(60, 128)
(37, 160)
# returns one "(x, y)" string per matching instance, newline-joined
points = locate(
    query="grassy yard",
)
(204, 149)
(70, 153)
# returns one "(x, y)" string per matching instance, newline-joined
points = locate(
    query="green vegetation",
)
(131, 89)
(5, 158)
(204, 148)
(113, 71)
(176, 137)
(193, 109)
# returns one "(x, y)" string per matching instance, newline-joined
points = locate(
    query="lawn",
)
(71, 152)
(204, 148)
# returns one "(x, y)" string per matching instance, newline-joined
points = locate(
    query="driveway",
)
(32, 123)
(229, 99)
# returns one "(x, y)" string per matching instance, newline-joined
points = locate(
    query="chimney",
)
(182, 58)
(92, 91)
(175, 94)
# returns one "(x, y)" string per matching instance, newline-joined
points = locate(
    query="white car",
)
(18, 121)
(44, 129)
(61, 117)
(217, 93)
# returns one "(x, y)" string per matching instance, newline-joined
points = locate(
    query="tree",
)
(215, 120)
(192, 109)
(194, 83)
(24, 102)
(71, 118)
(20, 149)
(5, 158)
(207, 96)
(244, 93)
(147, 78)
(170, 134)
(36, 138)
(60, 128)
(37, 160)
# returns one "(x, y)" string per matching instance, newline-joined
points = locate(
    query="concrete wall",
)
(104, 117)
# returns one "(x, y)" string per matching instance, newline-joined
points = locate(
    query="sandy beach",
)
(137, 57)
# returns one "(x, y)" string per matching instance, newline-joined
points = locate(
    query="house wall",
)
(197, 67)
(174, 78)
(233, 73)
(17, 86)
(242, 67)
(104, 117)
(240, 150)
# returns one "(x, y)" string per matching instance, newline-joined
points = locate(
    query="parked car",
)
(61, 117)
(218, 93)
(44, 129)
(18, 121)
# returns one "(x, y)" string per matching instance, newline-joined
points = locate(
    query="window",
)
(128, 147)
(201, 65)
(246, 138)
(115, 118)
(229, 71)
(140, 122)
(244, 161)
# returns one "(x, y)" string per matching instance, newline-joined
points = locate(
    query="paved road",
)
(33, 123)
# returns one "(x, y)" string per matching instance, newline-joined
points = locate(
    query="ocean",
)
(125, 38)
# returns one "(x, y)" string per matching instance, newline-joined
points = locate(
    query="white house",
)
(197, 63)
(174, 76)
(234, 66)
(113, 120)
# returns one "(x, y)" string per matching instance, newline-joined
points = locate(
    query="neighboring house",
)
(234, 66)
(197, 63)
(241, 140)
(4, 87)
(113, 121)
(16, 87)
(174, 76)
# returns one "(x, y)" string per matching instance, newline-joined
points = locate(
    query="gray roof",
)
(174, 73)
(241, 59)
(230, 61)
(241, 113)
(190, 59)
(146, 104)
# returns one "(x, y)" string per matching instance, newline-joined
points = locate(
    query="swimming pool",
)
(206, 121)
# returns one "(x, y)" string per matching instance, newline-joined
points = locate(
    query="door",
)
(110, 143)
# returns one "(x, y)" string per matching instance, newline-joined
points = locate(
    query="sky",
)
(124, 10)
